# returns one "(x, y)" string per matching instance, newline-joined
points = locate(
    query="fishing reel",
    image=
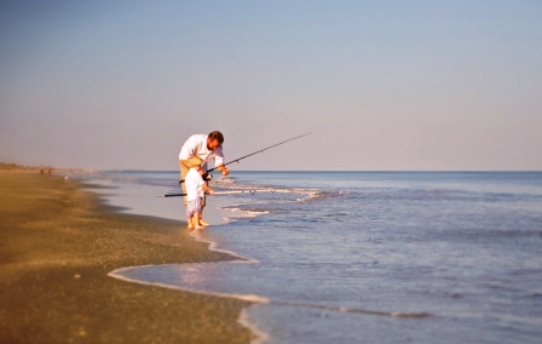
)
(207, 177)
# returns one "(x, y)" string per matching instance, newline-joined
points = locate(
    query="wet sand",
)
(57, 245)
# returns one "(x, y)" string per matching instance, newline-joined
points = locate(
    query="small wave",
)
(256, 213)
(242, 213)
(118, 274)
(223, 181)
(393, 314)
(312, 196)
(257, 299)
(261, 336)
(213, 246)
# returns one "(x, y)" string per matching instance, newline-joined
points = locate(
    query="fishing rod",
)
(175, 194)
(260, 151)
(207, 176)
(248, 191)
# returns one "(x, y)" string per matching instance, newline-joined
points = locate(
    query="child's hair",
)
(194, 161)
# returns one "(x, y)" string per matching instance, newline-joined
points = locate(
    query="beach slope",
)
(57, 245)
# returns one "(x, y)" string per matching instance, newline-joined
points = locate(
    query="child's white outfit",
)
(193, 182)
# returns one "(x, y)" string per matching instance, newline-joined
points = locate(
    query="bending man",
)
(208, 148)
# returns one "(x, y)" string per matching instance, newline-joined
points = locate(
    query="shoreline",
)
(58, 243)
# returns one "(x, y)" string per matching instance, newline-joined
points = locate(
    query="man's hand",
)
(223, 169)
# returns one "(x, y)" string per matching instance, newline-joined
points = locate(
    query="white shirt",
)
(193, 184)
(197, 145)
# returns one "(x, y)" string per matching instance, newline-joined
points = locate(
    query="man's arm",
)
(219, 162)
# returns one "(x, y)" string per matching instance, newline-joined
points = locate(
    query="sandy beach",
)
(57, 245)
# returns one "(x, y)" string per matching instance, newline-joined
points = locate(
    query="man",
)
(208, 148)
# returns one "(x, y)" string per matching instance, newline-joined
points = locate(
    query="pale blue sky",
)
(386, 85)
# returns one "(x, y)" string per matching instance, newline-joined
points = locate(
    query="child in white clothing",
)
(195, 191)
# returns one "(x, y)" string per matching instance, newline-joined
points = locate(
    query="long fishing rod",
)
(244, 157)
(206, 174)
(247, 191)
(260, 151)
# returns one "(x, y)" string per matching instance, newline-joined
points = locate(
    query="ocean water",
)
(362, 257)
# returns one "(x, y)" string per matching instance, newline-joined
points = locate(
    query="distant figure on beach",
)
(196, 188)
(207, 148)
(45, 169)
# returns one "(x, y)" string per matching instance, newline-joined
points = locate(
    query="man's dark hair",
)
(217, 135)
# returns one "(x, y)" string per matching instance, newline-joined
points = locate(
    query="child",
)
(195, 189)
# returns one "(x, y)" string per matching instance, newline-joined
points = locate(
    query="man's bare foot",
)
(199, 227)
(203, 223)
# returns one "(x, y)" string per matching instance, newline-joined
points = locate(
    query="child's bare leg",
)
(201, 222)
(197, 224)
(190, 223)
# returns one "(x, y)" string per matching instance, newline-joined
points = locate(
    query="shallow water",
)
(387, 257)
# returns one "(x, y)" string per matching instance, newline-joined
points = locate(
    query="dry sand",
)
(57, 244)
